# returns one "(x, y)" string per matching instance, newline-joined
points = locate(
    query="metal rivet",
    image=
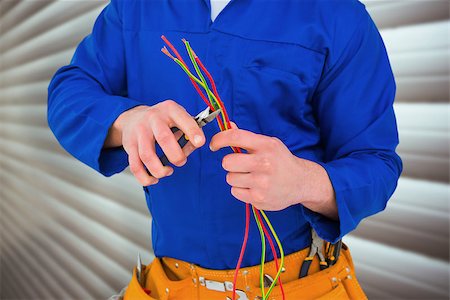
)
(347, 269)
(247, 288)
(245, 272)
(283, 269)
(228, 286)
(201, 280)
(334, 279)
(349, 276)
(167, 290)
(194, 280)
(176, 265)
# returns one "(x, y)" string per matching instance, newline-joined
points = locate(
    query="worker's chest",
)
(266, 86)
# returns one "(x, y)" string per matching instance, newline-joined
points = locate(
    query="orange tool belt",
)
(172, 279)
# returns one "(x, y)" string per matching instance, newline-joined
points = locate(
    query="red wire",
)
(244, 246)
(235, 149)
(272, 247)
(213, 84)
(192, 80)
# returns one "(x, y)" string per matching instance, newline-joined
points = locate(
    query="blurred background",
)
(68, 233)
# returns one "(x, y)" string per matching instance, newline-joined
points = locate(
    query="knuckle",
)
(274, 141)
(265, 163)
(170, 103)
(146, 157)
(151, 113)
(163, 137)
(134, 169)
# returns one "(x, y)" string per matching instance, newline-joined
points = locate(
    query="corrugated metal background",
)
(68, 233)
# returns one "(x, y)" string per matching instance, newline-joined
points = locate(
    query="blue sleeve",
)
(353, 104)
(86, 96)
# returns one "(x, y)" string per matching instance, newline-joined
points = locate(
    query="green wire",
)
(281, 252)
(189, 73)
(213, 100)
(211, 97)
(263, 254)
(199, 82)
(200, 75)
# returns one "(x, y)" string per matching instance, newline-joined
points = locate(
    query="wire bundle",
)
(214, 102)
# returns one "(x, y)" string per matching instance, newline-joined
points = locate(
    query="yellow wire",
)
(205, 86)
(281, 252)
(263, 254)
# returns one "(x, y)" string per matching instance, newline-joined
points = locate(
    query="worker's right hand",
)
(138, 129)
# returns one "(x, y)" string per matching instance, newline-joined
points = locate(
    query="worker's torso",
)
(267, 58)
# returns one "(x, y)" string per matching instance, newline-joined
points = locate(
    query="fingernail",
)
(170, 172)
(211, 148)
(197, 140)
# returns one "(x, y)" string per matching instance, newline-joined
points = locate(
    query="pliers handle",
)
(317, 245)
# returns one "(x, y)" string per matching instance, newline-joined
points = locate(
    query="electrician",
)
(310, 86)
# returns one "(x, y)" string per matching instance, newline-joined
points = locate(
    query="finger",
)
(178, 134)
(147, 155)
(240, 180)
(237, 138)
(241, 194)
(168, 144)
(138, 170)
(187, 124)
(188, 149)
(233, 125)
(239, 162)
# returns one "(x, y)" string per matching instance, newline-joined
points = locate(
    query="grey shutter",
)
(69, 233)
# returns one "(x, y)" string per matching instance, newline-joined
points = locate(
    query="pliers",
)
(203, 118)
(317, 244)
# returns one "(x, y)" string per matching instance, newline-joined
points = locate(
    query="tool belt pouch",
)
(338, 282)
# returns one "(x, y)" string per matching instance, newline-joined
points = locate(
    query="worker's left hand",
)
(268, 176)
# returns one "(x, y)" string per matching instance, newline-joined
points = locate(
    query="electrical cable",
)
(272, 247)
(166, 51)
(263, 252)
(215, 102)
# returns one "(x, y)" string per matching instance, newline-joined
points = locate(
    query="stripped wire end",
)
(166, 52)
(186, 43)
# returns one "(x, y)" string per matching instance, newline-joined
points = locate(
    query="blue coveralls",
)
(314, 73)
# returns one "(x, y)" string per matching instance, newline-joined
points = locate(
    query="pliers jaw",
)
(206, 116)
(317, 245)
